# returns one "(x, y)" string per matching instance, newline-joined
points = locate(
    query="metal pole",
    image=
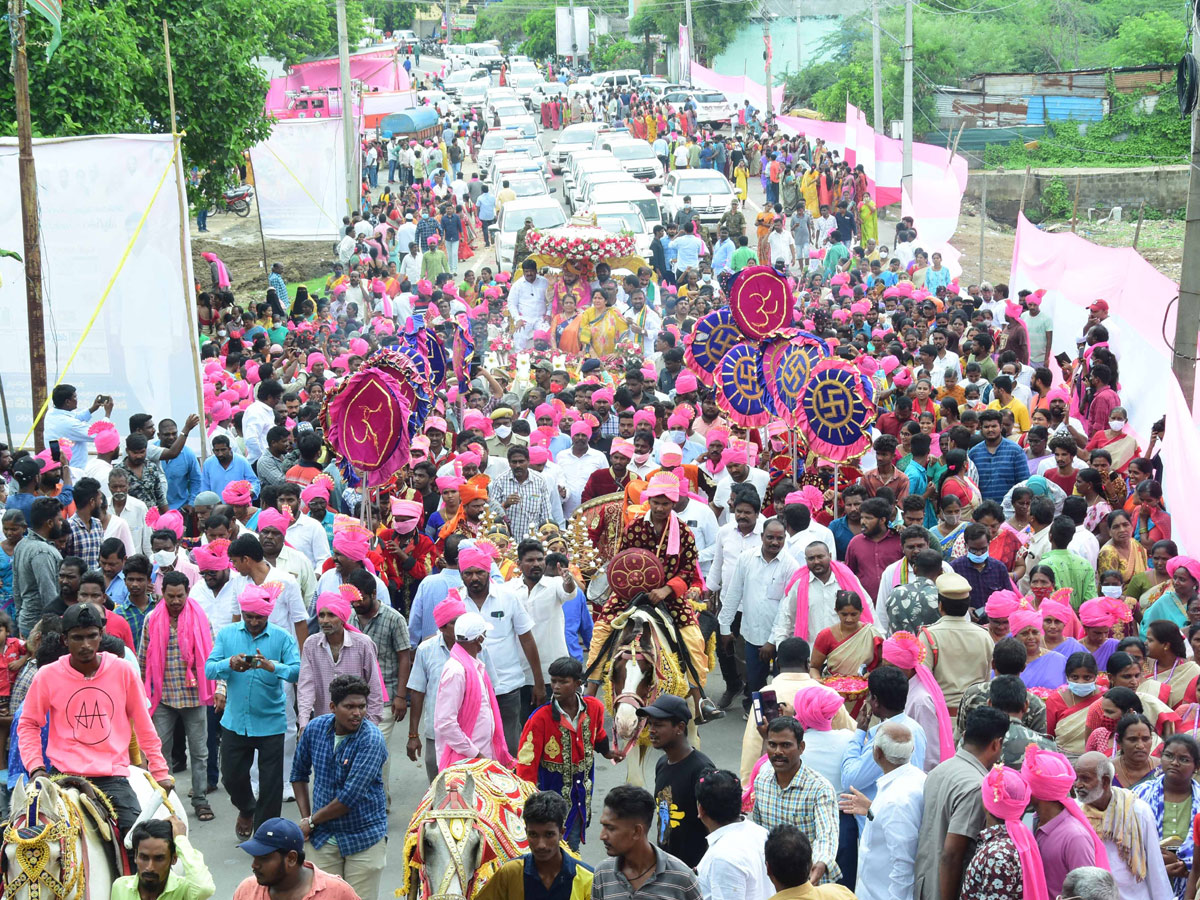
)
(982, 222)
(193, 333)
(1024, 185)
(685, 76)
(906, 171)
(877, 65)
(27, 175)
(348, 135)
(1187, 318)
(574, 37)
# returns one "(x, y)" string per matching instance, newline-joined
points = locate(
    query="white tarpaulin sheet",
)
(300, 179)
(92, 192)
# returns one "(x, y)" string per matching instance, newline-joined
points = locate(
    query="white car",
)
(710, 191)
(525, 83)
(574, 137)
(711, 106)
(529, 184)
(624, 218)
(439, 101)
(546, 90)
(638, 158)
(457, 80)
(575, 161)
(527, 147)
(473, 94)
(524, 123)
(588, 171)
(639, 195)
(493, 141)
(593, 188)
(545, 212)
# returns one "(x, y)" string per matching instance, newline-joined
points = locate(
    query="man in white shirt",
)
(410, 263)
(756, 590)
(527, 300)
(888, 845)
(826, 225)
(305, 534)
(697, 516)
(65, 421)
(407, 233)
(822, 589)
(259, 418)
(802, 528)
(543, 597)
(781, 244)
(741, 534)
(733, 867)
(578, 462)
(737, 465)
(346, 246)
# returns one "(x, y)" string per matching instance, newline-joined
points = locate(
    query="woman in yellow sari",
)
(808, 187)
(651, 126)
(868, 219)
(600, 327)
(1122, 553)
(741, 179)
(848, 647)
(564, 327)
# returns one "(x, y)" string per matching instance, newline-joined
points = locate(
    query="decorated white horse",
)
(467, 826)
(60, 842)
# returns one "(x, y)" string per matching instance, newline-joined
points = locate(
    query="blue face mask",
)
(977, 557)
(1082, 688)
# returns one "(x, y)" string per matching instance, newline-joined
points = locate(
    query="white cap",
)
(470, 626)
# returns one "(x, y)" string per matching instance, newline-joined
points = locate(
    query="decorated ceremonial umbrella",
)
(715, 335)
(741, 389)
(585, 244)
(834, 412)
(761, 302)
(786, 362)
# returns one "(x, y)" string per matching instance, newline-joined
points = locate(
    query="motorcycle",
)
(235, 200)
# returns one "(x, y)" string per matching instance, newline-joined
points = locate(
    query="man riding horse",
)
(659, 531)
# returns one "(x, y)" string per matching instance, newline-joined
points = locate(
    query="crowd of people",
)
(966, 662)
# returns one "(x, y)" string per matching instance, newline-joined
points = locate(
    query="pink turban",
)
(678, 419)
(539, 455)
(435, 423)
(273, 518)
(314, 359)
(623, 447)
(840, 278)
(1012, 310)
(889, 364)
(868, 365)
(861, 307)
(1051, 778)
(736, 455)
(716, 434)
(359, 347)
(169, 521)
(450, 482)
(1006, 796)
(1191, 566)
(685, 383)
(237, 493)
(903, 378)
(1053, 608)
(315, 490)
(671, 456)
(336, 604)
(1058, 394)
(473, 558)
(649, 372)
(663, 484)
(259, 601)
(905, 288)
(643, 417)
(816, 707)
(845, 293)
(353, 542)
(903, 649)
(603, 394)
(469, 458)
(1024, 618)
(213, 556)
(1002, 604)
(106, 437)
(545, 410)
(406, 514)
(808, 496)
(1104, 612)
(581, 427)
(449, 609)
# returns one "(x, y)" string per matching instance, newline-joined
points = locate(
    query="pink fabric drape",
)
(846, 580)
(469, 712)
(194, 635)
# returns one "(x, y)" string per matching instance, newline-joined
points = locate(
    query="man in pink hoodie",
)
(94, 701)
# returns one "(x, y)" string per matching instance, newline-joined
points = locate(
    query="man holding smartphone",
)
(65, 421)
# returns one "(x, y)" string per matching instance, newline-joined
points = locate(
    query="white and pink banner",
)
(736, 88)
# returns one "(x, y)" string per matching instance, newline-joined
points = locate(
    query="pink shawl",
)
(846, 581)
(195, 643)
(223, 280)
(469, 712)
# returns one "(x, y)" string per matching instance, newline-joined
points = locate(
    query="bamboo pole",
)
(193, 333)
(1075, 204)
(1024, 185)
(1137, 232)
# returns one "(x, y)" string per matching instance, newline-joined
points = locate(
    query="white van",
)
(639, 195)
(621, 78)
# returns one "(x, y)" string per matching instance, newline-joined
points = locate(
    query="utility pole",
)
(27, 176)
(349, 137)
(906, 170)
(799, 39)
(1187, 317)
(574, 32)
(685, 77)
(877, 66)
(767, 57)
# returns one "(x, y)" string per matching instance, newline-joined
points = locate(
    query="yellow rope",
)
(316, 203)
(104, 296)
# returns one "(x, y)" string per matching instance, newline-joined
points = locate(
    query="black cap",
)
(667, 706)
(83, 615)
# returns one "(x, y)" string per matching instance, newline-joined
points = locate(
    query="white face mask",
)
(677, 437)
(164, 557)
(503, 431)
(1111, 590)
(1116, 424)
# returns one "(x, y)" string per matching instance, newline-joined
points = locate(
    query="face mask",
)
(1111, 590)
(503, 431)
(706, 278)
(1116, 425)
(164, 558)
(641, 458)
(1041, 593)
(952, 518)
(777, 445)
(677, 437)
(977, 557)
(1082, 689)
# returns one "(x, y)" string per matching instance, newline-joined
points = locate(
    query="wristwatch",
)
(870, 814)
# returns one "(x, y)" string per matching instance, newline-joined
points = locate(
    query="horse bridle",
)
(454, 822)
(32, 852)
(633, 651)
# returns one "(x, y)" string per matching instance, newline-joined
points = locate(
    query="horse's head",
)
(42, 844)
(450, 846)
(632, 673)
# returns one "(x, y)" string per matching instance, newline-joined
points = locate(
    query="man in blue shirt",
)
(722, 259)
(452, 227)
(999, 461)
(432, 591)
(253, 658)
(183, 472)
(346, 822)
(224, 466)
(487, 214)
(275, 280)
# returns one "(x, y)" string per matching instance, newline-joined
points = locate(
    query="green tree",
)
(715, 23)
(503, 22)
(390, 15)
(1153, 37)
(539, 26)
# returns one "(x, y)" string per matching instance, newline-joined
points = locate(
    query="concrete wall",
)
(1160, 188)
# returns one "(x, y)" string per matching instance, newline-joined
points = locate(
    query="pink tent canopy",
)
(376, 69)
